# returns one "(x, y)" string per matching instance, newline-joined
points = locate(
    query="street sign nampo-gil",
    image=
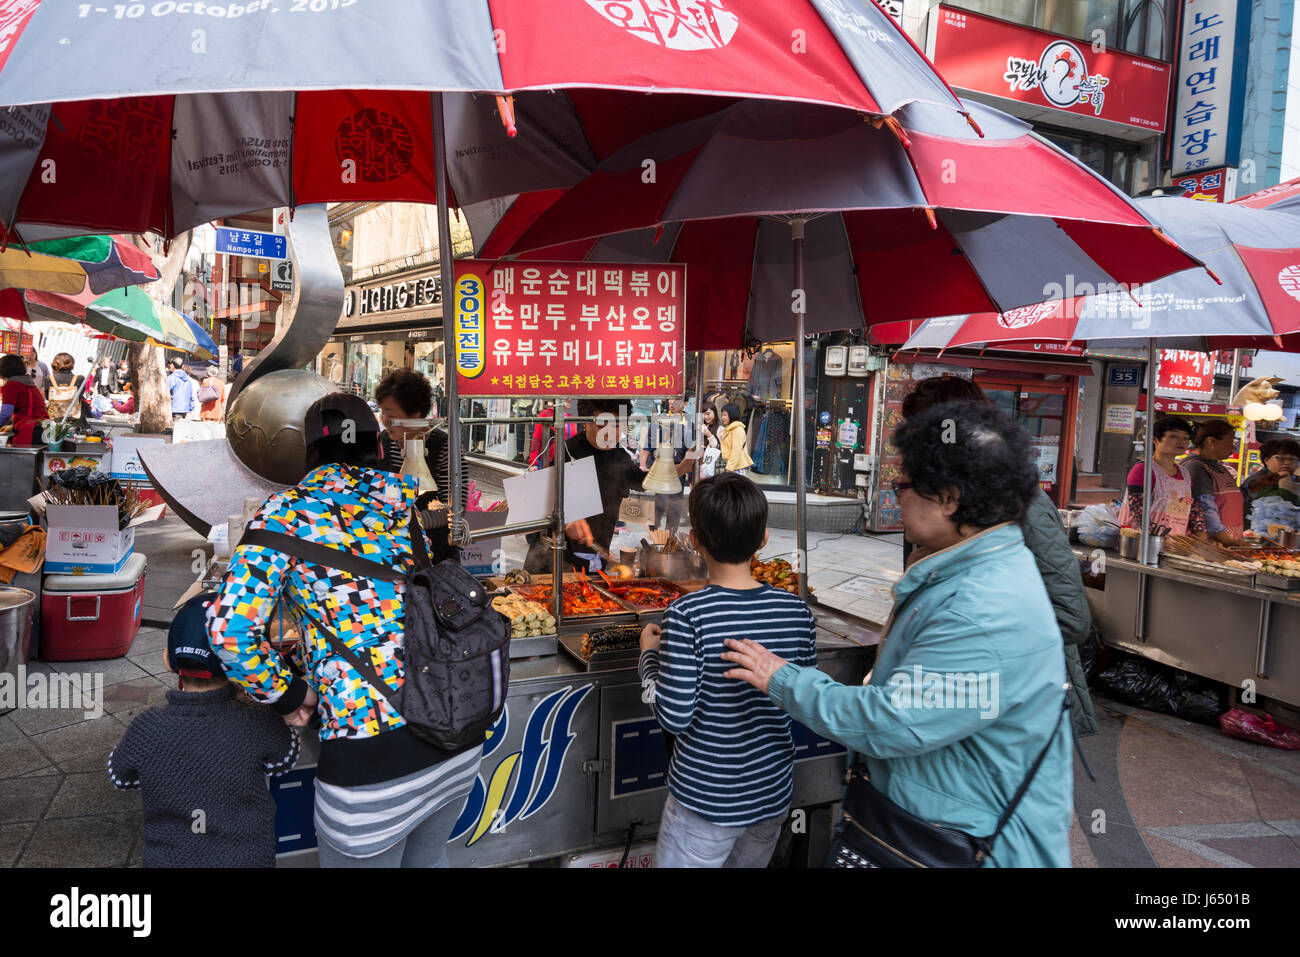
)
(564, 329)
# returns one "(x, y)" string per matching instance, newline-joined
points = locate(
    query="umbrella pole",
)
(1147, 448)
(1232, 394)
(446, 263)
(797, 407)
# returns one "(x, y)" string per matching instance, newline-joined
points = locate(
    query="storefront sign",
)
(564, 329)
(1211, 61)
(1212, 186)
(393, 296)
(1125, 377)
(1186, 407)
(248, 242)
(1185, 373)
(1120, 419)
(823, 438)
(980, 53)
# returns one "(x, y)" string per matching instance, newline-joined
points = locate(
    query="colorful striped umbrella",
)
(127, 314)
(69, 265)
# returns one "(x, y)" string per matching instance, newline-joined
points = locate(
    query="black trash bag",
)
(78, 478)
(1139, 682)
(1199, 699)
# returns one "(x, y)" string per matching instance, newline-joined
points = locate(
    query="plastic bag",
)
(1157, 687)
(1098, 526)
(1249, 727)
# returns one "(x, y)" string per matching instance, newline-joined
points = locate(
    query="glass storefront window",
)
(762, 388)
(1138, 26)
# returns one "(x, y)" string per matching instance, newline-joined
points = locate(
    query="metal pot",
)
(656, 563)
(16, 607)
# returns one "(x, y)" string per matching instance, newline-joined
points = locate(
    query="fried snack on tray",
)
(613, 638)
(778, 573)
(527, 618)
(578, 596)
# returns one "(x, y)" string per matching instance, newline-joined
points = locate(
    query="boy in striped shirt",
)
(731, 776)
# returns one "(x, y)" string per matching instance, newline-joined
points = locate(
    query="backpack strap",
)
(340, 558)
(1024, 785)
(357, 661)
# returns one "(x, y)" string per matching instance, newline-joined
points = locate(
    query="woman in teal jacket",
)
(968, 686)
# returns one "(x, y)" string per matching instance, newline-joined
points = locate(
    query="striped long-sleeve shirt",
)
(733, 761)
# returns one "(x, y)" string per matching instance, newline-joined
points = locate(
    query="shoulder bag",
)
(876, 832)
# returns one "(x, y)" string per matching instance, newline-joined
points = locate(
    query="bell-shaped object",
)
(662, 478)
(414, 465)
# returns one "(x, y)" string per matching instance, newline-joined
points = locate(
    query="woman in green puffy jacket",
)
(1046, 538)
(969, 685)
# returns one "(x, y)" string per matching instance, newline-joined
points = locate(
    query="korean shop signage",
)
(1185, 374)
(1211, 186)
(569, 329)
(1210, 89)
(981, 53)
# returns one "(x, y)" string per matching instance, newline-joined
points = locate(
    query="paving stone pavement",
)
(1169, 793)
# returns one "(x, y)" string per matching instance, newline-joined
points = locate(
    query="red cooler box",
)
(92, 617)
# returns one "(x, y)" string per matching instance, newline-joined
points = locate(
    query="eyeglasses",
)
(1287, 459)
(901, 486)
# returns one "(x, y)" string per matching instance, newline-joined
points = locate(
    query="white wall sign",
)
(1203, 125)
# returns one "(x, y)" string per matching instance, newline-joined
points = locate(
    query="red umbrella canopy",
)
(1250, 299)
(279, 104)
(906, 218)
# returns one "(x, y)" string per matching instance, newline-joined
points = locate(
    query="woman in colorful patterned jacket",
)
(384, 798)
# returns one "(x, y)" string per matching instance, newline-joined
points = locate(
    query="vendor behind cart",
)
(1174, 510)
(1214, 485)
(1276, 476)
(617, 475)
(21, 403)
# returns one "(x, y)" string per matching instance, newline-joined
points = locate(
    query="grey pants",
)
(425, 846)
(687, 840)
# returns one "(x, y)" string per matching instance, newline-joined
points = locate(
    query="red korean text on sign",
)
(565, 329)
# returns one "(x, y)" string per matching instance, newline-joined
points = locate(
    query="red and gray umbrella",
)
(223, 108)
(1252, 247)
(903, 221)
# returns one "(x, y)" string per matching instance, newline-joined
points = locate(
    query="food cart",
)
(577, 762)
(1217, 621)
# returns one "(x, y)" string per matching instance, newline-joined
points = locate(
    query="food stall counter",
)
(1245, 635)
(576, 760)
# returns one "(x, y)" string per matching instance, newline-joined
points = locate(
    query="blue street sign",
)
(245, 242)
(1125, 376)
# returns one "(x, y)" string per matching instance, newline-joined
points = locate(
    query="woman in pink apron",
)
(1173, 507)
(1214, 485)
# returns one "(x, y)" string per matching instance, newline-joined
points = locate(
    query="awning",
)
(996, 365)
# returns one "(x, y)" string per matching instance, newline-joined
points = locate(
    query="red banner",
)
(1019, 63)
(1185, 373)
(569, 329)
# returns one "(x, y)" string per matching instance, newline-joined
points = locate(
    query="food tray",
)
(527, 591)
(1280, 582)
(533, 646)
(601, 660)
(645, 583)
(1236, 575)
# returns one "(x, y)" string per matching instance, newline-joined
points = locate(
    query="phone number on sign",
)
(200, 8)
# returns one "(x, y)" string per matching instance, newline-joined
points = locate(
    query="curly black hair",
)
(1171, 423)
(410, 390)
(975, 450)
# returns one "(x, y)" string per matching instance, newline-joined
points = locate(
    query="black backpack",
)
(456, 648)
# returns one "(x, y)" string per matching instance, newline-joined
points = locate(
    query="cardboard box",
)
(85, 539)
